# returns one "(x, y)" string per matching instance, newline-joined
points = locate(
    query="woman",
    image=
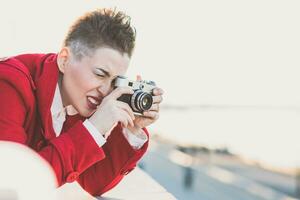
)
(64, 105)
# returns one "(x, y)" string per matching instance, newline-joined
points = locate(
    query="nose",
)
(105, 89)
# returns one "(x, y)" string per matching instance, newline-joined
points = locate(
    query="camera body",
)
(141, 100)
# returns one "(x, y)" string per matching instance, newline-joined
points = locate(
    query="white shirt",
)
(59, 113)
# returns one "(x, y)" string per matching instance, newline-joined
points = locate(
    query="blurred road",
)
(211, 178)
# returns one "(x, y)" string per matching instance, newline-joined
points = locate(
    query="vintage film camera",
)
(141, 100)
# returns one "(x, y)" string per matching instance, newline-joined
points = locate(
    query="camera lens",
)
(141, 101)
(145, 102)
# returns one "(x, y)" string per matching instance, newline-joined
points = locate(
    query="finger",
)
(116, 93)
(158, 91)
(122, 119)
(157, 99)
(109, 132)
(125, 118)
(151, 114)
(154, 107)
(124, 123)
(126, 108)
(138, 77)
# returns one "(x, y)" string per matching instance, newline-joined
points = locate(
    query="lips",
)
(93, 102)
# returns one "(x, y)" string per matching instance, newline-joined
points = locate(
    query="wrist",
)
(96, 125)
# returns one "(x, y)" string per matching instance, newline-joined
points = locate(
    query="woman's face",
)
(86, 82)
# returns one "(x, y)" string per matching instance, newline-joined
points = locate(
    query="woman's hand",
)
(111, 111)
(149, 116)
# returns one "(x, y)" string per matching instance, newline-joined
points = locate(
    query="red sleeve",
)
(72, 152)
(120, 159)
(69, 154)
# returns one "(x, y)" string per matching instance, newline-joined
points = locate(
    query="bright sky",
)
(200, 52)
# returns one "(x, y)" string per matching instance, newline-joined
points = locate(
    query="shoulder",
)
(16, 74)
(10, 68)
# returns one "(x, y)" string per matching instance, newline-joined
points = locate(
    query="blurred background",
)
(230, 120)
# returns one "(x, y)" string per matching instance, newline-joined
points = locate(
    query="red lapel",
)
(44, 71)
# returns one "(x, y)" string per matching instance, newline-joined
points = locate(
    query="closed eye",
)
(101, 72)
(100, 75)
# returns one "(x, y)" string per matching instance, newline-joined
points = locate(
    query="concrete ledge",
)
(135, 186)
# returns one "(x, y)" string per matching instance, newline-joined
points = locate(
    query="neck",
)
(61, 89)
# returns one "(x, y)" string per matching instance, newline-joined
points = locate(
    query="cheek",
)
(82, 82)
(86, 81)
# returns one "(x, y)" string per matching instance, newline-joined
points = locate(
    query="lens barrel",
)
(139, 101)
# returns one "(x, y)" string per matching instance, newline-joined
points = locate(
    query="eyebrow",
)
(104, 71)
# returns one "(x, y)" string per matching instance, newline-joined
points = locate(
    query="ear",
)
(62, 58)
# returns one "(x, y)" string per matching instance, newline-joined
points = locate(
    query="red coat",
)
(27, 86)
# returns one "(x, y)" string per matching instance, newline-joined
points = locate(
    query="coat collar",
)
(44, 72)
(45, 89)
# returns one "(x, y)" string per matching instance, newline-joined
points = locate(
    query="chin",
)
(86, 113)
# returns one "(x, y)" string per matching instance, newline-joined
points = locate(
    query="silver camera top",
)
(145, 86)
